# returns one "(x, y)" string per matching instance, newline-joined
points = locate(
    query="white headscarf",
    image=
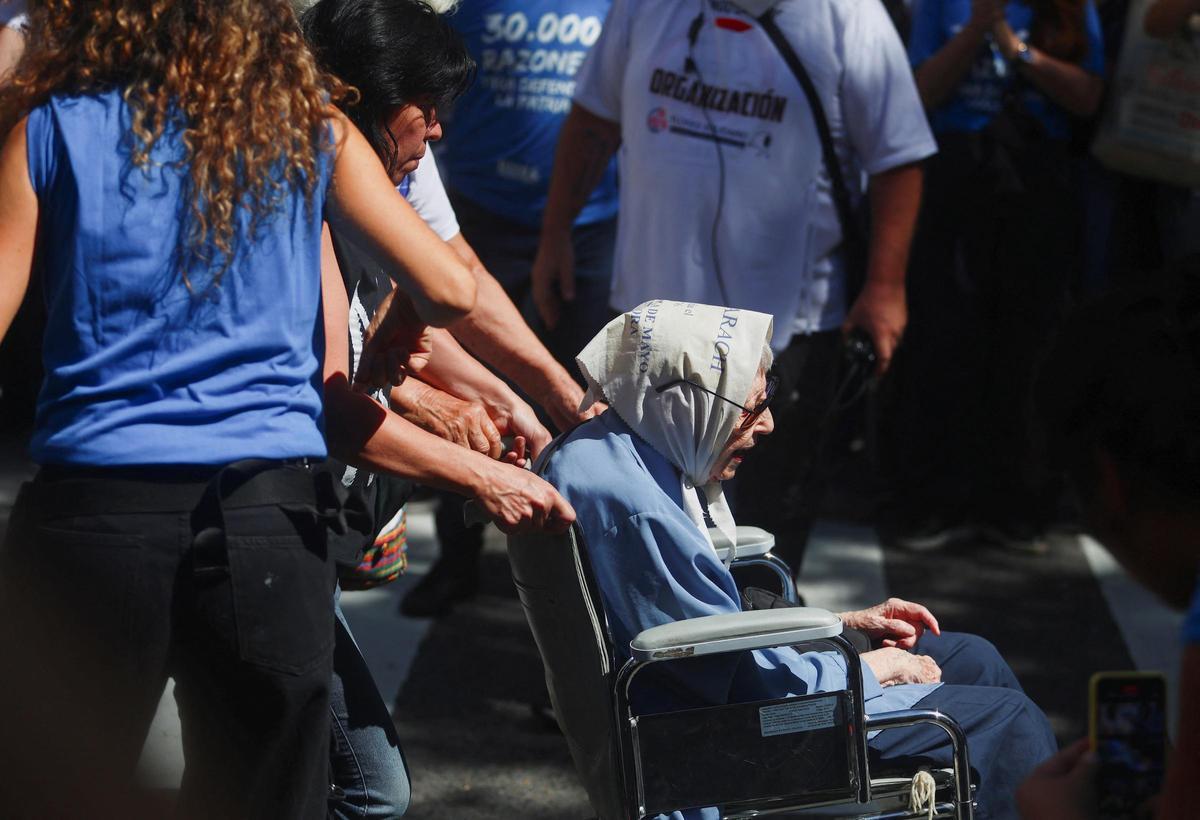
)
(660, 342)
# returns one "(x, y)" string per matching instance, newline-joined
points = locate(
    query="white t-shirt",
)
(427, 195)
(778, 226)
(12, 14)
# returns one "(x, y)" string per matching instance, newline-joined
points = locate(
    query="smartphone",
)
(1129, 733)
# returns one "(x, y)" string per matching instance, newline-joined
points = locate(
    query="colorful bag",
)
(1151, 125)
(382, 562)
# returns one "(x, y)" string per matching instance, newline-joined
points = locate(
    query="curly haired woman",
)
(167, 165)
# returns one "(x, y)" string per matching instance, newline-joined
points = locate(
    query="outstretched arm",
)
(495, 332)
(362, 432)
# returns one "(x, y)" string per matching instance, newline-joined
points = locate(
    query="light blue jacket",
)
(653, 566)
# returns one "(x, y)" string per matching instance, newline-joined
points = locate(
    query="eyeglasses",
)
(751, 413)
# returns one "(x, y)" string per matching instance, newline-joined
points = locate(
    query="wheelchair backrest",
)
(561, 603)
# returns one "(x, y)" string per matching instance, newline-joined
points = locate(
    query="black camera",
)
(859, 350)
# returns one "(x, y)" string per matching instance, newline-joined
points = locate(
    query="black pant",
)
(103, 594)
(997, 246)
(779, 486)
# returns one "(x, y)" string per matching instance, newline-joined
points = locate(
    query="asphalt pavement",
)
(462, 687)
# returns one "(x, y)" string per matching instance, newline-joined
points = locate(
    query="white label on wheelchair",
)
(802, 716)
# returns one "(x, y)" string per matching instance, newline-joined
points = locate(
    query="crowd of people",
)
(285, 262)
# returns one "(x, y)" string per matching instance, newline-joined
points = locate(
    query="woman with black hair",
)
(406, 65)
(997, 247)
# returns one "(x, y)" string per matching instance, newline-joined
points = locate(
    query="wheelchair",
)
(804, 756)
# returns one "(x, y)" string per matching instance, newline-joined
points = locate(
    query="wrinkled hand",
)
(553, 275)
(896, 621)
(514, 417)
(1062, 787)
(893, 666)
(464, 423)
(519, 501)
(396, 344)
(880, 310)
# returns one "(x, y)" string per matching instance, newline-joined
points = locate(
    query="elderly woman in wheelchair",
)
(688, 391)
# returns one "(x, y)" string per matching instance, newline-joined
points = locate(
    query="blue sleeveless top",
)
(138, 369)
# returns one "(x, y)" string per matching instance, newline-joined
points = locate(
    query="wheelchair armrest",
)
(734, 632)
(753, 542)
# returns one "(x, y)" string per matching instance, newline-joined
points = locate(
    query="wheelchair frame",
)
(714, 635)
(631, 762)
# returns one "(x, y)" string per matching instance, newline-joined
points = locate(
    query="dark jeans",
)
(998, 245)
(368, 764)
(779, 485)
(104, 594)
(1007, 733)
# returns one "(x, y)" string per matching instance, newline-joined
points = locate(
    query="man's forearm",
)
(895, 199)
(496, 333)
(586, 144)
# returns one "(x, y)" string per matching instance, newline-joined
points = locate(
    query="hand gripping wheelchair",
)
(800, 757)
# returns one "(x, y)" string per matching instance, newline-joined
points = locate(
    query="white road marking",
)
(1150, 629)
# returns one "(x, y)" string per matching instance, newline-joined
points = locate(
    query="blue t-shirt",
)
(498, 150)
(980, 95)
(138, 369)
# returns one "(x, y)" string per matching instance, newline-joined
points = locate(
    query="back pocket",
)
(283, 602)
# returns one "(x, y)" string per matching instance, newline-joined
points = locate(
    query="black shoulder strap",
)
(841, 194)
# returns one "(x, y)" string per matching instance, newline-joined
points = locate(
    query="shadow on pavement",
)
(474, 745)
